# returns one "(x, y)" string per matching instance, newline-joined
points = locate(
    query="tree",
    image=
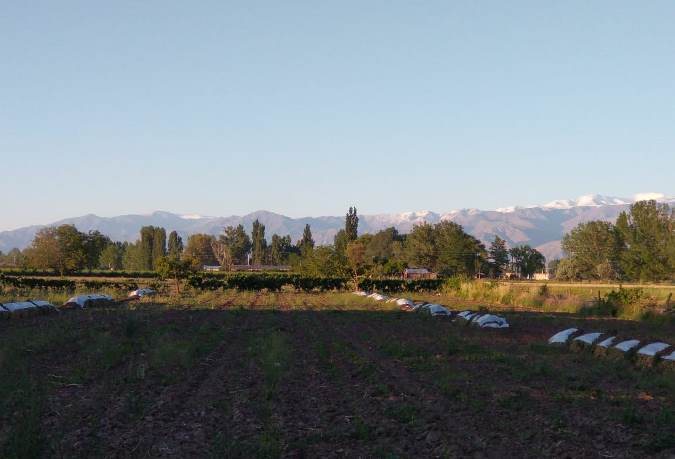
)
(134, 259)
(324, 261)
(421, 246)
(380, 247)
(146, 247)
(527, 260)
(61, 248)
(173, 268)
(238, 243)
(458, 253)
(112, 256)
(351, 225)
(280, 249)
(94, 243)
(306, 244)
(648, 234)
(44, 252)
(356, 252)
(566, 270)
(259, 244)
(199, 250)
(158, 245)
(72, 248)
(595, 249)
(498, 255)
(223, 254)
(175, 247)
(553, 266)
(13, 258)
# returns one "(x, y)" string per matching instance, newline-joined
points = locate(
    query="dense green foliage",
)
(639, 247)
(200, 249)
(498, 257)
(14, 272)
(269, 281)
(526, 261)
(400, 285)
(175, 245)
(258, 243)
(66, 285)
(173, 268)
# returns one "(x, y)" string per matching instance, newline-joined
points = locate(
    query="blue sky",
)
(305, 108)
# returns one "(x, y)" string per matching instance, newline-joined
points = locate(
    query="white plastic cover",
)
(670, 357)
(490, 321)
(626, 346)
(405, 302)
(563, 336)
(464, 314)
(19, 306)
(141, 292)
(495, 325)
(588, 338)
(361, 293)
(82, 300)
(438, 310)
(377, 297)
(607, 342)
(652, 349)
(42, 303)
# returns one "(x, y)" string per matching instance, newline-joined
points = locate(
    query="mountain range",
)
(541, 226)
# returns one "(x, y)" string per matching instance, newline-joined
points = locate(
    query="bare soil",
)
(282, 382)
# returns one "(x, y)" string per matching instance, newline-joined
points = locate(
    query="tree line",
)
(444, 248)
(639, 246)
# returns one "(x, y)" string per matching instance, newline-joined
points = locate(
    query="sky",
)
(306, 108)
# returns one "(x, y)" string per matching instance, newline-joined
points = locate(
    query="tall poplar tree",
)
(175, 245)
(352, 225)
(306, 244)
(146, 247)
(158, 245)
(259, 243)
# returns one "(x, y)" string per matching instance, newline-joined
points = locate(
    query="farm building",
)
(418, 273)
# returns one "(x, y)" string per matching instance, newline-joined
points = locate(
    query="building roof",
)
(417, 271)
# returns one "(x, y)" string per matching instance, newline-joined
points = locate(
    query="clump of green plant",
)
(624, 302)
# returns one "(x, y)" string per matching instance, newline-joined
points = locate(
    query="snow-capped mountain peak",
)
(596, 200)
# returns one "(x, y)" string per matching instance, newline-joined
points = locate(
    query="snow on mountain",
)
(539, 226)
(597, 200)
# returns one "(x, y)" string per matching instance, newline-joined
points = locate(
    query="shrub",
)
(400, 285)
(65, 285)
(269, 281)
